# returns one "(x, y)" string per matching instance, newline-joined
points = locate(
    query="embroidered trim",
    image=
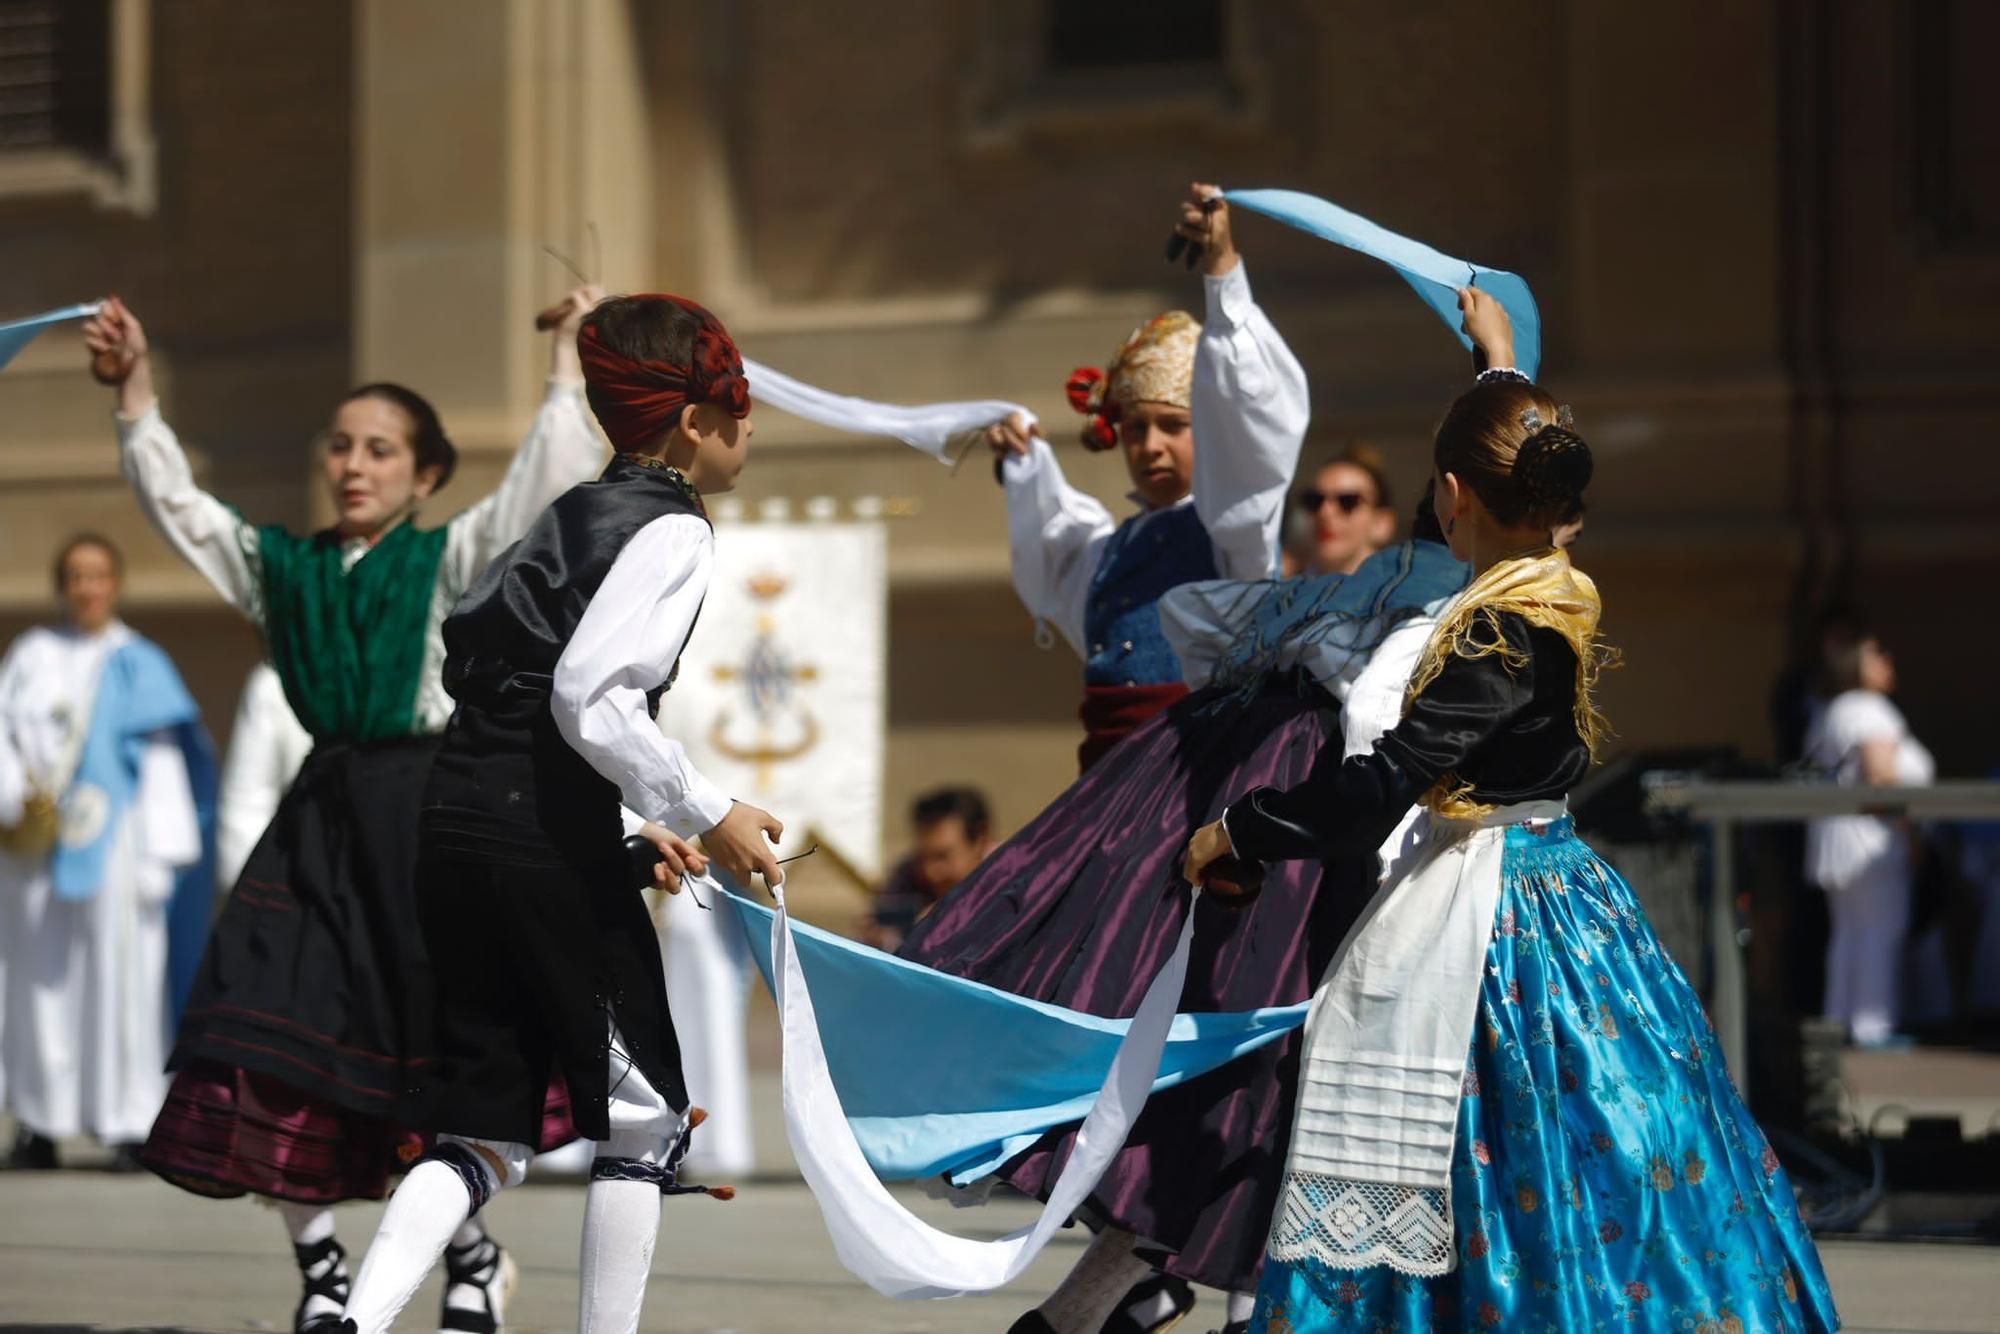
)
(675, 478)
(1343, 1223)
(665, 1175)
(474, 1173)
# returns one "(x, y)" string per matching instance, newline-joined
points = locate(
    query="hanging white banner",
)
(782, 693)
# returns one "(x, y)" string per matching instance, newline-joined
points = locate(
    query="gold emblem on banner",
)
(770, 677)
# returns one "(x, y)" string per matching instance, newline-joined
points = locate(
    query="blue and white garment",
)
(140, 697)
(1603, 1171)
(99, 935)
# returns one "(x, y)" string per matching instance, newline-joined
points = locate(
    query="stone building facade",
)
(1765, 238)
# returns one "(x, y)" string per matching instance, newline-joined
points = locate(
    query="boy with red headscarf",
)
(544, 957)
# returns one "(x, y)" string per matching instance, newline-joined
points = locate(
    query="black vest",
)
(506, 786)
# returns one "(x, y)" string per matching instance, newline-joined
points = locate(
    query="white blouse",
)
(1840, 847)
(626, 643)
(1249, 411)
(560, 451)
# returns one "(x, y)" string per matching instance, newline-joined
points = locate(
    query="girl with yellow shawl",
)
(1512, 1111)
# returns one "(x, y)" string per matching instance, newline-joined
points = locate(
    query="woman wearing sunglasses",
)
(1349, 509)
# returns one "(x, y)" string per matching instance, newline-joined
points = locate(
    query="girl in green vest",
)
(308, 1025)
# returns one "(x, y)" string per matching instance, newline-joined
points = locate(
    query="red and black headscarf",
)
(636, 400)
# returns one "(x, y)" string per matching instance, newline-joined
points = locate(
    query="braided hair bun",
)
(1551, 471)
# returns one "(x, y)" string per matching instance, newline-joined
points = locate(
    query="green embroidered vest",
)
(349, 644)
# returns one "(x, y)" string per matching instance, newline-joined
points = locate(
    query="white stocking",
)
(621, 1220)
(426, 1210)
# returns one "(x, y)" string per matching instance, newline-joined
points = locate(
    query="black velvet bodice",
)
(506, 785)
(503, 640)
(1508, 729)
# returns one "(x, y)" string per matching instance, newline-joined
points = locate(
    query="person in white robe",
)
(84, 995)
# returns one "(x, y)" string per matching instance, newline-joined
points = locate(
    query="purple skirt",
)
(226, 1131)
(1083, 906)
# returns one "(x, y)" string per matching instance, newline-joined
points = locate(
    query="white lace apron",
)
(1368, 1175)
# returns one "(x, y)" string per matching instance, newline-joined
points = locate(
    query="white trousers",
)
(1870, 911)
(708, 978)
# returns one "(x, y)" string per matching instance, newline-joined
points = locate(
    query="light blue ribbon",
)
(17, 334)
(1435, 275)
(940, 1075)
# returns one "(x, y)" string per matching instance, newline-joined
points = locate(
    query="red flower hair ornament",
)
(1085, 391)
(636, 400)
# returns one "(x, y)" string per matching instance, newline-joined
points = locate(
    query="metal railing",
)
(1723, 804)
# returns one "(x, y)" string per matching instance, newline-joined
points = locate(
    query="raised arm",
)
(561, 450)
(626, 643)
(1351, 806)
(208, 534)
(1055, 533)
(1249, 404)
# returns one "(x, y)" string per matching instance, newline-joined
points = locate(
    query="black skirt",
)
(315, 973)
(533, 965)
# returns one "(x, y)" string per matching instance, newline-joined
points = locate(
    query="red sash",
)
(1111, 713)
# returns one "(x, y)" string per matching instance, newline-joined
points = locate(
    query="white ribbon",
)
(929, 427)
(877, 1239)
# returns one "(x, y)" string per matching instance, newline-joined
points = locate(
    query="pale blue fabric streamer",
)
(19, 333)
(939, 1075)
(1435, 276)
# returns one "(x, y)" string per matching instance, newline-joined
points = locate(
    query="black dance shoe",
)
(1034, 1322)
(323, 1268)
(1140, 1313)
(32, 1152)
(483, 1271)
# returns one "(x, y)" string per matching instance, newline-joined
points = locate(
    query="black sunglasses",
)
(1311, 499)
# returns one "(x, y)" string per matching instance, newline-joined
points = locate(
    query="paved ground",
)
(84, 1250)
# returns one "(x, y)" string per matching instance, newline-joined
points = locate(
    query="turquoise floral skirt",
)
(1606, 1174)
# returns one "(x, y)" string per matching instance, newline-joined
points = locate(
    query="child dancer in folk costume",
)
(1205, 511)
(1512, 1111)
(1084, 904)
(104, 777)
(307, 1026)
(544, 953)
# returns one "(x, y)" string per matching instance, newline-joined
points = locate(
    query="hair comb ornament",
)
(1531, 421)
(1566, 417)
